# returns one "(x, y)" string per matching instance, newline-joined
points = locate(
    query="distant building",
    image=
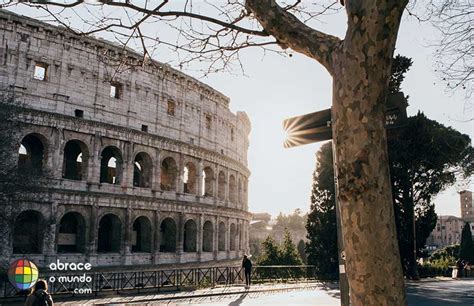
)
(265, 217)
(467, 206)
(447, 232)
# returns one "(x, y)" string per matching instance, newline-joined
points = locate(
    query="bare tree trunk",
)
(361, 74)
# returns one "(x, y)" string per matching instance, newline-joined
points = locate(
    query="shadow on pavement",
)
(238, 301)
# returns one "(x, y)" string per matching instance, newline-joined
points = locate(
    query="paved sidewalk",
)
(329, 292)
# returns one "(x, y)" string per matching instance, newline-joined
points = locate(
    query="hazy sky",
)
(279, 87)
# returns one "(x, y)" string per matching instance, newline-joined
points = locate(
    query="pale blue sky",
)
(279, 87)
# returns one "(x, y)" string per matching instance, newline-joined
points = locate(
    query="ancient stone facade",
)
(148, 165)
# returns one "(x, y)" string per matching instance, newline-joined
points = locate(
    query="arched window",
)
(28, 233)
(190, 236)
(221, 239)
(221, 188)
(168, 235)
(31, 154)
(141, 235)
(189, 178)
(207, 237)
(207, 182)
(75, 160)
(232, 189)
(233, 236)
(72, 233)
(109, 234)
(111, 166)
(142, 170)
(169, 172)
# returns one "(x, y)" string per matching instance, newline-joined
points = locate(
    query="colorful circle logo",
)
(23, 274)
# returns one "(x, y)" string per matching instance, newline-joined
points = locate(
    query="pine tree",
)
(466, 251)
(289, 253)
(321, 248)
(271, 253)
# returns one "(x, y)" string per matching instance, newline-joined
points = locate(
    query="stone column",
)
(156, 238)
(180, 236)
(180, 176)
(49, 233)
(156, 180)
(200, 178)
(91, 248)
(227, 237)
(55, 155)
(127, 241)
(93, 175)
(215, 238)
(200, 225)
(126, 168)
(227, 189)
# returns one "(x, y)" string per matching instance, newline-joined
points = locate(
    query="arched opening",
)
(31, 155)
(169, 172)
(75, 160)
(189, 178)
(111, 166)
(207, 237)
(232, 189)
(72, 233)
(28, 233)
(168, 235)
(233, 235)
(221, 239)
(207, 182)
(141, 235)
(109, 234)
(142, 170)
(190, 236)
(221, 186)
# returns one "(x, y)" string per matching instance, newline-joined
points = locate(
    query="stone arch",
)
(208, 182)
(72, 233)
(222, 236)
(169, 172)
(28, 233)
(190, 236)
(141, 235)
(32, 154)
(189, 178)
(233, 236)
(168, 235)
(221, 186)
(109, 235)
(75, 160)
(207, 237)
(232, 189)
(111, 165)
(142, 170)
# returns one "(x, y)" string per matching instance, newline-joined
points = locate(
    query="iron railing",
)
(166, 279)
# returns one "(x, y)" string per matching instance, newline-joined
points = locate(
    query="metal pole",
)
(343, 282)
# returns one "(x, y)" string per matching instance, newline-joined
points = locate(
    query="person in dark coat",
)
(247, 265)
(39, 295)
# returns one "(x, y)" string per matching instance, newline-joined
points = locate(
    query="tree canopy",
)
(426, 157)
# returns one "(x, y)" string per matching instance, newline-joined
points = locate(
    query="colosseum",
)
(147, 165)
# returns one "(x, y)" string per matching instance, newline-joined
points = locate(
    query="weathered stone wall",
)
(73, 105)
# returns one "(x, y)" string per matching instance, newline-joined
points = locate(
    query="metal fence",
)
(169, 279)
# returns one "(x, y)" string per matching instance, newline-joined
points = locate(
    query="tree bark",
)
(360, 66)
(361, 75)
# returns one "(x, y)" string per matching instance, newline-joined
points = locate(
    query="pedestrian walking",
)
(247, 265)
(39, 295)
